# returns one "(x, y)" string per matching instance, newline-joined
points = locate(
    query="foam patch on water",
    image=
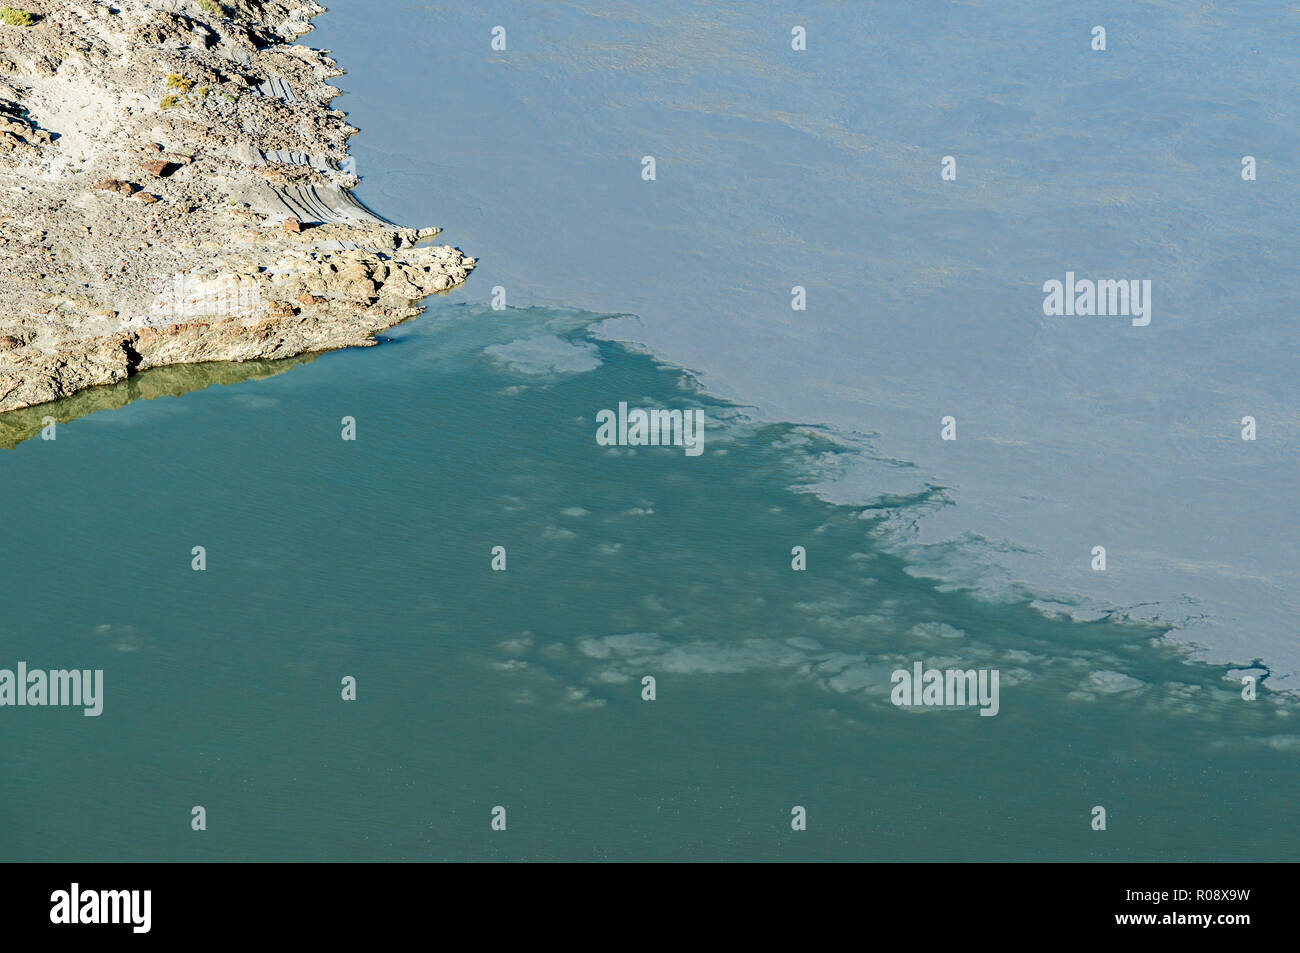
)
(546, 355)
(856, 668)
(1113, 682)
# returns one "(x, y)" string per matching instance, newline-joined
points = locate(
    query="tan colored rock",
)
(190, 278)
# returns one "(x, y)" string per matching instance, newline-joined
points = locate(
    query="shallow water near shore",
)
(371, 558)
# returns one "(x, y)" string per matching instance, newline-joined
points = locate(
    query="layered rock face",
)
(174, 188)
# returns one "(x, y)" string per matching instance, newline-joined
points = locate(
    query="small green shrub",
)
(169, 101)
(16, 17)
(213, 8)
(176, 81)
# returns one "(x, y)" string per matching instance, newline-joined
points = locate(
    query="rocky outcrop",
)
(174, 189)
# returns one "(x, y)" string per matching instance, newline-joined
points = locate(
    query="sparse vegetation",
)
(15, 17)
(213, 8)
(183, 97)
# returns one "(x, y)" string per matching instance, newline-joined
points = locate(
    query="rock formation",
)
(175, 188)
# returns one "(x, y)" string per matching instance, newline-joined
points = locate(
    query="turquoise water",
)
(372, 558)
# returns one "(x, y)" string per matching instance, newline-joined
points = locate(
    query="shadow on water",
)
(174, 380)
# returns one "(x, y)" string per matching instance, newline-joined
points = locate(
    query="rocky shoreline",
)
(175, 188)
